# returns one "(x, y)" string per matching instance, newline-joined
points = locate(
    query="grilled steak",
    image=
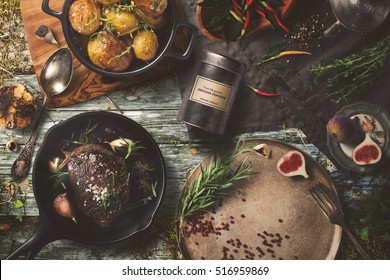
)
(100, 184)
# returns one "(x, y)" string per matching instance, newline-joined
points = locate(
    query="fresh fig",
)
(367, 152)
(344, 129)
(292, 163)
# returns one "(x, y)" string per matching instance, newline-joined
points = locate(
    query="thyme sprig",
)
(354, 73)
(212, 180)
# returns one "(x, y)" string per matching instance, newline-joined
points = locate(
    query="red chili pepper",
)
(236, 7)
(269, 8)
(262, 92)
(280, 23)
(247, 20)
(260, 12)
(248, 4)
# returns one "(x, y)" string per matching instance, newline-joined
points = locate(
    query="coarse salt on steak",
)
(100, 182)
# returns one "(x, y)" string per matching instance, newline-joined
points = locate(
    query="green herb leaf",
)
(18, 204)
(364, 232)
(211, 180)
(216, 21)
(19, 217)
(352, 74)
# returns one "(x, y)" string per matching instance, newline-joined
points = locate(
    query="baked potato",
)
(121, 21)
(145, 45)
(107, 2)
(152, 20)
(109, 52)
(84, 16)
(151, 7)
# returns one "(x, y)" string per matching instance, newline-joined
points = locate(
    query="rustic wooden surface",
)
(86, 84)
(154, 106)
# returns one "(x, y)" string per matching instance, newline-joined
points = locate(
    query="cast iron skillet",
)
(51, 226)
(78, 43)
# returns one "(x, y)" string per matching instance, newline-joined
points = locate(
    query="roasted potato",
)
(109, 53)
(107, 2)
(121, 21)
(151, 7)
(145, 45)
(154, 21)
(84, 16)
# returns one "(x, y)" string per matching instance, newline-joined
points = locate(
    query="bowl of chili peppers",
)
(232, 20)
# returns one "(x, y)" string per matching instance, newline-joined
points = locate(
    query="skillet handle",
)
(191, 43)
(46, 8)
(43, 235)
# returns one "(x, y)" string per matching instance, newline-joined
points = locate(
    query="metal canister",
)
(208, 102)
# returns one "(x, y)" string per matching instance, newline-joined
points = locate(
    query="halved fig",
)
(367, 152)
(292, 163)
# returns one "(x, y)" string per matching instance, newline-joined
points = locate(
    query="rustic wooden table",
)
(154, 106)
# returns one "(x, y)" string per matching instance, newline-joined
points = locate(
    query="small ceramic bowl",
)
(342, 153)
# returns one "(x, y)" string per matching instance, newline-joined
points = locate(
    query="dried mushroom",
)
(17, 106)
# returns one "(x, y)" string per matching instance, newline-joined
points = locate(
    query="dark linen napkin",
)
(302, 105)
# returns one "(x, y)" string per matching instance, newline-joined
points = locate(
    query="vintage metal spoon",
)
(55, 77)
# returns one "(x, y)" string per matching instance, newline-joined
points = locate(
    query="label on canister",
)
(211, 93)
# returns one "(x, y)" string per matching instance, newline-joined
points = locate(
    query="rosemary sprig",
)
(354, 73)
(212, 179)
(59, 178)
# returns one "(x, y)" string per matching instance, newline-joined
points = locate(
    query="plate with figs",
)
(358, 137)
(98, 178)
(265, 210)
(122, 38)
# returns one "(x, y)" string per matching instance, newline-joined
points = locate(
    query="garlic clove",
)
(63, 207)
(55, 163)
(44, 33)
(121, 146)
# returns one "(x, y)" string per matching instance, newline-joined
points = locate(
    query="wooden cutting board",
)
(86, 84)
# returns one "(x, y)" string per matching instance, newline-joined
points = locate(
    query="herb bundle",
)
(236, 17)
(354, 73)
(211, 180)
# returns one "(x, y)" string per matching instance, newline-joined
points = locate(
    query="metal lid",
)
(222, 61)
